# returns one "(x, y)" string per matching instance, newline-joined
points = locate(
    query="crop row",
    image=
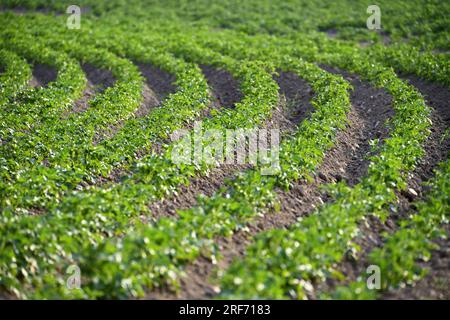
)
(155, 254)
(117, 215)
(151, 168)
(100, 229)
(272, 251)
(280, 19)
(282, 263)
(15, 75)
(183, 105)
(398, 258)
(102, 159)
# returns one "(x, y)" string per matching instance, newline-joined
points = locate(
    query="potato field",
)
(256, 149)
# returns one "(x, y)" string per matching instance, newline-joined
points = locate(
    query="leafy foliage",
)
(56, 211)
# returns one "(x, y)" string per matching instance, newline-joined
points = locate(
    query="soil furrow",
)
(436, 150)
(158, 85)
(162, 82)
(225, 88)
(285, 117)
(42, 75)
(224, 94)
(371, 108)
(436, 284)
(98, 80)
(163, 85)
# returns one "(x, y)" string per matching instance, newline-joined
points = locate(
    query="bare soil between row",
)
(372, 229)
(347, 160)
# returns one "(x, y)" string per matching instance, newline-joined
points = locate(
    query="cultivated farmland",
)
(117, 180)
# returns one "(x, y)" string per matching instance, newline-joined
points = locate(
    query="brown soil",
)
(161, 82)
(371, 108)
(224, 94)
(436, 285)
(158, 85)
(372, 228)
(101, 79)
(224, 87)
(187, 196)
(150, 101)
(43, 74)
(82, 104)
(296, 95)
(164, 83)
(98, 80)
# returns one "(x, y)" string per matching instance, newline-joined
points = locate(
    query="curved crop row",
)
(133, 196)
(72, 172)
(154, 254)
(31, 106)
(281, 263)
(61, 143)
(402, 250)
(14, 77)
(93, 197)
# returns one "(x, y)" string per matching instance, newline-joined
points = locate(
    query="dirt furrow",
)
(225, 88)
(158, 85)
(162, 84)
(436, 284)
(98, 80)
(42, 75)
(224, 94)
(436, 150)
